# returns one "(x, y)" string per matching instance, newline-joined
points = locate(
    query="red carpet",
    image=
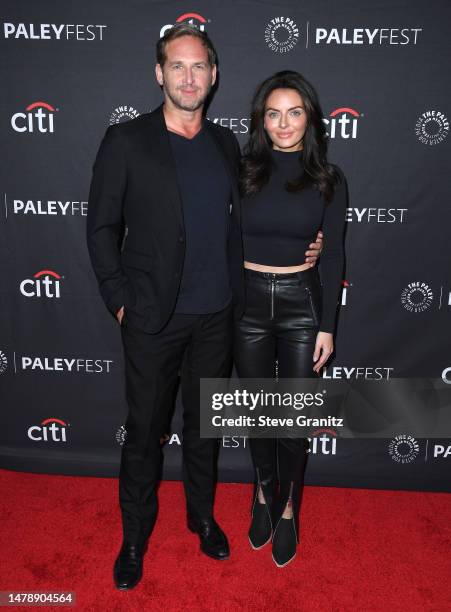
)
(360, 550)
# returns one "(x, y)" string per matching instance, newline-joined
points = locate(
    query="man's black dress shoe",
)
(213, 541)
(128, 566)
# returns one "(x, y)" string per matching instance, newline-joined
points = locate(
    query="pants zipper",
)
(290, 494)
(272, 298)
(290, 499)
(312, 307)
(256, 492)
(259, 486)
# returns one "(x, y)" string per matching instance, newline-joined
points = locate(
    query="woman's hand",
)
(324, 347)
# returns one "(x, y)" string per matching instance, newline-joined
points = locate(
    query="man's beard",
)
(177, 100)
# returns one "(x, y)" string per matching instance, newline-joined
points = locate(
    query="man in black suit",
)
(170, 177)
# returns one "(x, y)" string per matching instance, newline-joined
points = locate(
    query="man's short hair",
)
(183, 29)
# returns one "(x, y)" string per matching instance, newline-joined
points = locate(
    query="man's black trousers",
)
(203, 344)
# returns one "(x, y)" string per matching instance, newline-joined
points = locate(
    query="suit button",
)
(181, 239)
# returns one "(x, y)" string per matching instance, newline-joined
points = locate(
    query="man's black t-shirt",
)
(205, 191)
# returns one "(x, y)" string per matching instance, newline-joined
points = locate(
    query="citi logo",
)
(344, 293)
(193, 19)
(342, 123)
(45, 283)
(50, 430)
(323, 442)
(38, 117)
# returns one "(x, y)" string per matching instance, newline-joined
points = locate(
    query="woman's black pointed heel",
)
(261, 528)
(285, 537)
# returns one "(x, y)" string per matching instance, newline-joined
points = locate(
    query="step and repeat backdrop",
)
(71, 69)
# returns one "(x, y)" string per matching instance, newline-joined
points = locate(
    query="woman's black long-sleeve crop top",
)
(279, 225)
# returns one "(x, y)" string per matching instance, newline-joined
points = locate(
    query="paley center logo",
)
(61, 208)
(45, 283)
(193, 19)
(375, 215)
(238, 125)
(446, 376)
(38, 117)
(432, 127)
(281, 34)
(342, 123)
(53, 31)
(50, 430)
(234, 442)
(123, 113)
(367, 36)
(3, 362)
(77, 365)
(173, 438)
(357, 372)
(441, 451)
(121, 434)
(417, 297)
(403, 448)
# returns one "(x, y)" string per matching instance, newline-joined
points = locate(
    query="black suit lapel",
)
(161, 154)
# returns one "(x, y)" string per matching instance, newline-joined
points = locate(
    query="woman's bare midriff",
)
(276, 269)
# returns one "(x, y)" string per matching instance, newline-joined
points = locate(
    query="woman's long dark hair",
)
(256, 164)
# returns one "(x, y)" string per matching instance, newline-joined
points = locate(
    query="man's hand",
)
(120, 314)
(315, 248)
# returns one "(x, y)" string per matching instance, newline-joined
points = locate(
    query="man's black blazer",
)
(134, 185)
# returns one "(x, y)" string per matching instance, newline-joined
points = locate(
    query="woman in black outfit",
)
(290, 191)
